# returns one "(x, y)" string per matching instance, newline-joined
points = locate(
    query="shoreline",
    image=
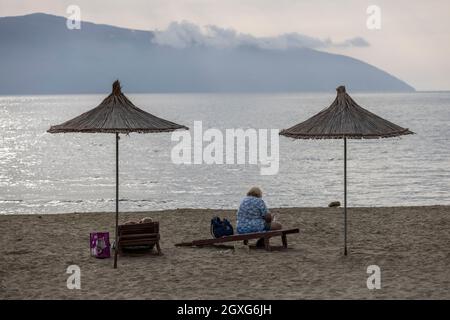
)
(409, 244)
(171, 210)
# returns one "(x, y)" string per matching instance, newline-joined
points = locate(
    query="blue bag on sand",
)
(221, 228)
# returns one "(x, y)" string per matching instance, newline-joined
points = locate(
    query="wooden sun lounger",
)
(243, 237)
(138, 235)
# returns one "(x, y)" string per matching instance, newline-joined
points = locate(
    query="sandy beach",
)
(411, 245)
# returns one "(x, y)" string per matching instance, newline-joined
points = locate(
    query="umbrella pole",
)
(345, 196)
(117, 200)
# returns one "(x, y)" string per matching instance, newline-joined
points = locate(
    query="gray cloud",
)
(185, 34)
(353, 42)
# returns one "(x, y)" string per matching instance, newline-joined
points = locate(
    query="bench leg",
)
(284, 240)
(266, 243)
(245, 242)
(158, 248)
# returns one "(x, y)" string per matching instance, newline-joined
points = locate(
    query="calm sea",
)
(52, 173)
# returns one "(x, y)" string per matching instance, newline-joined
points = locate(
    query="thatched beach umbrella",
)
(116, 114)
(344, 119)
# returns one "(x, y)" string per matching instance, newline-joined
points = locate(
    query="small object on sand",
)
(146, 220)
(334, 204)
(143, 220)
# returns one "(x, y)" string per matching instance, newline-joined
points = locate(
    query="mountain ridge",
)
(41, 56)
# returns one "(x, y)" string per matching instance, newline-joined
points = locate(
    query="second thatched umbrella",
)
(345, 119)
(116, 114)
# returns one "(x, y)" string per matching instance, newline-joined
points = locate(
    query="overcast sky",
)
(412, 44)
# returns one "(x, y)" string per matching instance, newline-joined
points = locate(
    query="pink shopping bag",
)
(99, 244)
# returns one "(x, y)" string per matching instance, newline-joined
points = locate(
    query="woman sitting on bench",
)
(253, 215)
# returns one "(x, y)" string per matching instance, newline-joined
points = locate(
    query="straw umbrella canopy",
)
(116, 114)
(345, 119)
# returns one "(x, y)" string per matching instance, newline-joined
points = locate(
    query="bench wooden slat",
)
(243, 237)
(238, 237)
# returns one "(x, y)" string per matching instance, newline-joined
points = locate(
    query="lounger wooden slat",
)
(140, 236)
(138, 242)
(133, 228)
(243, 237)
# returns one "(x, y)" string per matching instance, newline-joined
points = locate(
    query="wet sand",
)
(411, 245)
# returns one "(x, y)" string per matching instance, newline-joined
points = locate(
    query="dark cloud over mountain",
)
(185, 34)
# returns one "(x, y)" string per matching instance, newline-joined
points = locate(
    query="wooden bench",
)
(138, 235)
(245, 237)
